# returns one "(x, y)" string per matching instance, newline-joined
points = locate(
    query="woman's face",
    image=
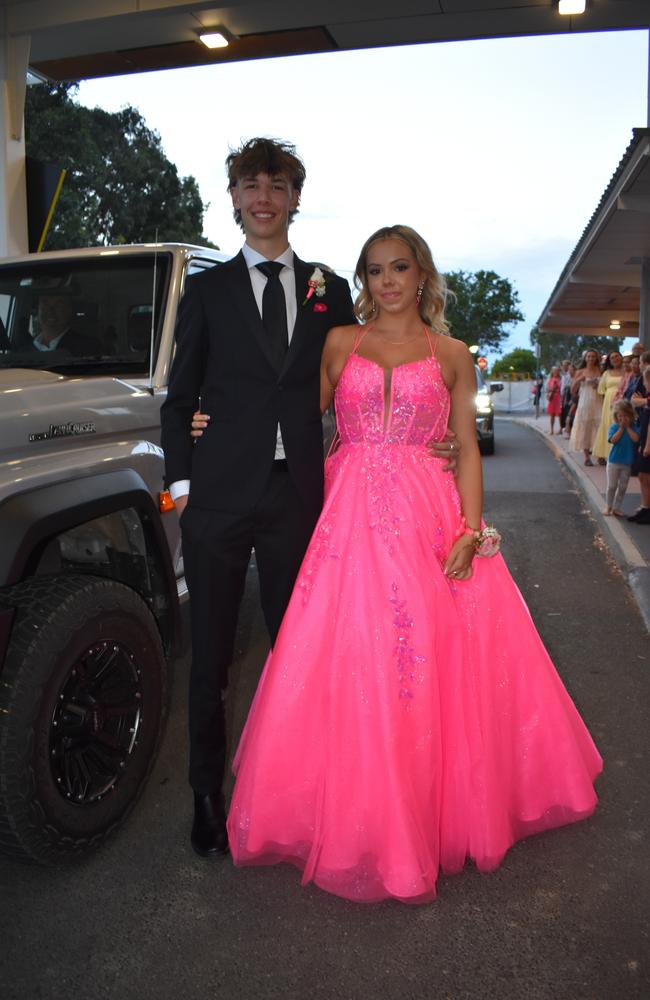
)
(555, 372)
(615, 359)
(393, 275)
(592, 358)
(635, 364)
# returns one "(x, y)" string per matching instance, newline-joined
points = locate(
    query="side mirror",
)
(496, 386)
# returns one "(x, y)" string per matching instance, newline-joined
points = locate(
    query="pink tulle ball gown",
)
(404, 722)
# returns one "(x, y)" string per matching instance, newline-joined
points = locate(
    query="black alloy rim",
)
(96, 722)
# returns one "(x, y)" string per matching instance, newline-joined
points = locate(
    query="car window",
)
(87, 314)
(480, 382)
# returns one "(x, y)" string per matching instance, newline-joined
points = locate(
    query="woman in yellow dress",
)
(608, 386)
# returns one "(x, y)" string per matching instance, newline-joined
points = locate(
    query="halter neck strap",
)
(363, 330)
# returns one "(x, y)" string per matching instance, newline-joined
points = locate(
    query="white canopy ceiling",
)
(77, 39)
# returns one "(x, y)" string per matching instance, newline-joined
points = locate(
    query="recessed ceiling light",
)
(571, 6)
(214, 40)
(615, 324)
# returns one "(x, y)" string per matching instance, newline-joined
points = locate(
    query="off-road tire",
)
(60, 623)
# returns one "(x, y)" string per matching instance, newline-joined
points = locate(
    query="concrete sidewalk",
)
(629, 543)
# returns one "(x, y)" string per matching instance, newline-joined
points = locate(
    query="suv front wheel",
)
(83, 699)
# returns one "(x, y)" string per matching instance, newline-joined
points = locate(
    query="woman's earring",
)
(374, 307)
(418, 297)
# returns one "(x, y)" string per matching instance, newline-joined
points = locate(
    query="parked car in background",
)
(485, 412)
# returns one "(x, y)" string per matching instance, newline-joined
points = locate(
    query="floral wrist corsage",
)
(487, 541)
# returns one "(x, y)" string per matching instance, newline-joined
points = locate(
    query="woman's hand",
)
(199, 423)
(459, 561)
(448, 448)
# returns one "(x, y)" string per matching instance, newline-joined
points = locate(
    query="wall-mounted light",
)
(214, 39)
(615, 324)
(571, 6)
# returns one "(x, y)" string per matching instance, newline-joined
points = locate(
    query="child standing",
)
(623, 436)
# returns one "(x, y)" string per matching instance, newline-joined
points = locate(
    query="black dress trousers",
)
(216, 552)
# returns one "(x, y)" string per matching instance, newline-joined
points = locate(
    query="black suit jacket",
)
(222, 356)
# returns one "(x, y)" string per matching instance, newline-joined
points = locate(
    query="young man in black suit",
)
(249, 341)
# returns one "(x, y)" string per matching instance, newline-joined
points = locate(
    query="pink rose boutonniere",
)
(315, 284)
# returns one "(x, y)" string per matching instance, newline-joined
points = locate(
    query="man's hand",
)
(181, 503)
(199, 422)
(447, 448)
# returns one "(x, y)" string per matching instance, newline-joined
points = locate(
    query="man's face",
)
(264, 202)
(54, 315)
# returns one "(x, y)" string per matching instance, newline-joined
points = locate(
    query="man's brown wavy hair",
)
(266, 156)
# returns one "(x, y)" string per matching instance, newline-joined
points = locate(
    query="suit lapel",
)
(242, 293)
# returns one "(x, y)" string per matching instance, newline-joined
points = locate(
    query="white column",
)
(14, 61)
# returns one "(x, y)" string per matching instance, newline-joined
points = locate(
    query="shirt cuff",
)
(180, 488)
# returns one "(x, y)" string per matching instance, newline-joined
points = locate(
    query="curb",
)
(626, 555)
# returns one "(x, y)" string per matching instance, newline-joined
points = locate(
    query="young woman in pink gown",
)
(408, 717)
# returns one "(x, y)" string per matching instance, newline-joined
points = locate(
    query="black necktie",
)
(274, 310)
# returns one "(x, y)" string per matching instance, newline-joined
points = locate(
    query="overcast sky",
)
(496, 151)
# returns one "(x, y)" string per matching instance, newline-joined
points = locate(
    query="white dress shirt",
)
(258, 283)
(51, 345)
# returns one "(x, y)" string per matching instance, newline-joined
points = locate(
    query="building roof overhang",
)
(80, 39)
(601, 281)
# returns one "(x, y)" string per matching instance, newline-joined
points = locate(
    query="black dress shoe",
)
(209, 836)
(640, 516)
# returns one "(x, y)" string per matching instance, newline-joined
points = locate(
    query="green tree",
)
(555, 347)
(485, 304)
(120, 186)
(520, 360)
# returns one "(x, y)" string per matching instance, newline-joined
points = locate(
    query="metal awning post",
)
(644, 305)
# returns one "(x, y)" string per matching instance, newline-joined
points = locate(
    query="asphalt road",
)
(564, 918)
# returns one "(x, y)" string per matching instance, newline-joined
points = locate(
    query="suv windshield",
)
(82, 315)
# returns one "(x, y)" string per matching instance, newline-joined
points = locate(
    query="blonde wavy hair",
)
(435, 293)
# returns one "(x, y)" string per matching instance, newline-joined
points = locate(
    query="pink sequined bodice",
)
(407, 405)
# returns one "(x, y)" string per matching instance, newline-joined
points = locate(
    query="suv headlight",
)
(483, 402)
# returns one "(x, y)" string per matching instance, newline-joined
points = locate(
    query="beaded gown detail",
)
(403, 722)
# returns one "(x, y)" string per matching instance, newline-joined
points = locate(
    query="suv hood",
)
(15, 379)
(37, 412)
